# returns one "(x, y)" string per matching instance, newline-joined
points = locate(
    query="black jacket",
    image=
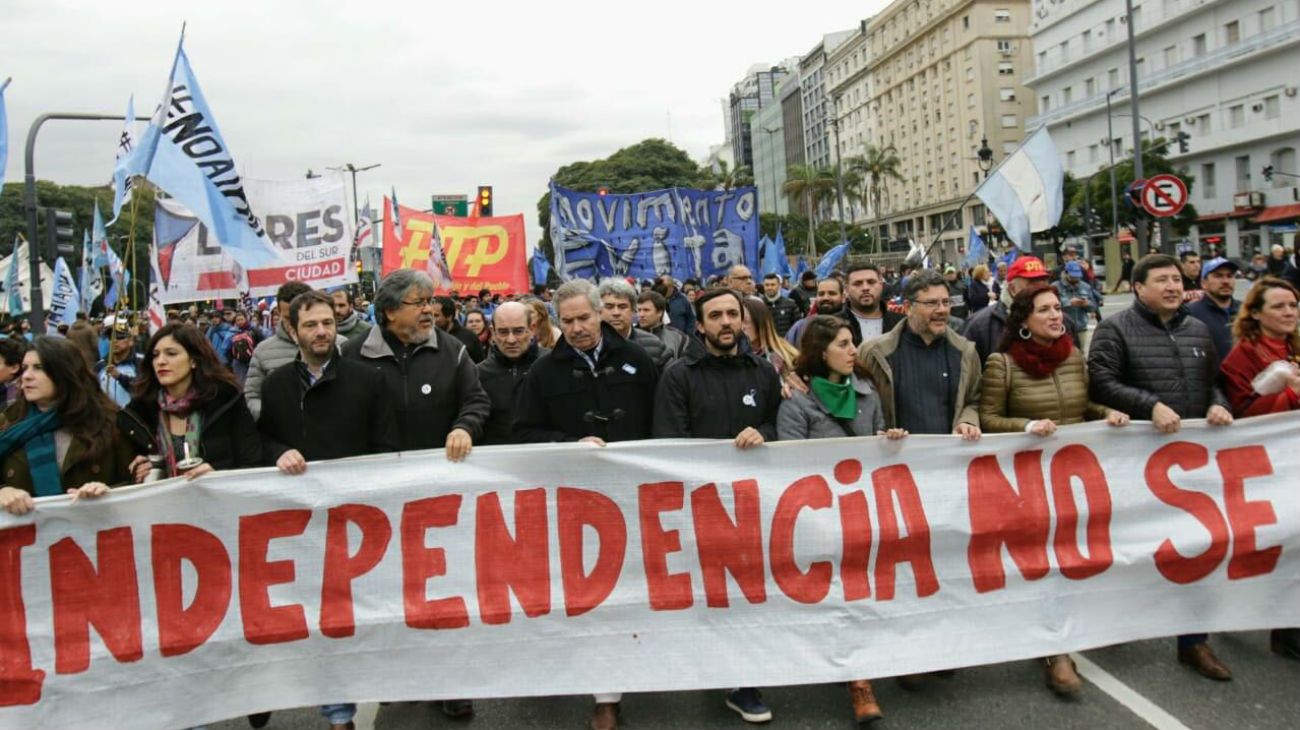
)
(784, 313)
(562, 399)
(345, 413)
(228, 438)
(803, 298)
(468, 339)
(433, 386)
(705, 396)
(890, 320)
(500, 377)
(1136, 361)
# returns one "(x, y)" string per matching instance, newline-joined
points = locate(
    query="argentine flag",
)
(1026, 191)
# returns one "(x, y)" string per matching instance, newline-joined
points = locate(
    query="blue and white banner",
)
(4, 130)
(831, 259)
(91, 283)
(122, 179)
(65, 298)
(1026, 192)
(99, 240)
(540, 267)
(13, 291)
(184, 153)
(679, 231)
(119, 279)
(976, 252)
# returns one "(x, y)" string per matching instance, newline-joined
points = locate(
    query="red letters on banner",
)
(341, 567)
(264, 623)
(420, 563)
(106, 596)
(578, 509)
(181, 629)
(20, 683)
(521, 564)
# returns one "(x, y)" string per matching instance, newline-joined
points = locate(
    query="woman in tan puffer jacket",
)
(1035, 382)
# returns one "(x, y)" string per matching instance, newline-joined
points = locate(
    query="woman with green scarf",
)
(61, 435)
(839, 404)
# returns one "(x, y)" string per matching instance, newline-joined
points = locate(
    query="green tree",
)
(729, 178)
(80, 200)
(875, 168)
(651, 164)
(1095, 190)
(806, 186)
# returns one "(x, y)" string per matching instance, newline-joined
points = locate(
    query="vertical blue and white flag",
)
(91, 284)
(99, 240)
(831, 259)
(4, 130)
(784, 258)
(65, 298)
(183, 152)
(976, 252)
(800, 266)
(118, 277)
(11, 278)
(767, 258)
(540, 267)
(1026, 192)
(122, 180)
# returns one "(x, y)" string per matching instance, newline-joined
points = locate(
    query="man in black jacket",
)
(514, 350)
(428, 374)
(323, 407)
(784, 311)
(805, 292)
(727, 393)
(864, 309)
(444, 317)
(595, 386)
(1154, 362)
(617, 307)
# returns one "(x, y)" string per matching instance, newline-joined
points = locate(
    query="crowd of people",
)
(858, 353)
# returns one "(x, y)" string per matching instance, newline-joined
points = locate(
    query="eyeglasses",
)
(934, 303)
(420, 303)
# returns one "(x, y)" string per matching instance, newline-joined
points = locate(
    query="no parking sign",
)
(1164, 196)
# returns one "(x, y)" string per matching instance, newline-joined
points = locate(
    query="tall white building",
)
(815, 100)
(1224, 71)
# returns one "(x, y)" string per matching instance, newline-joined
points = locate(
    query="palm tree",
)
(729, 179)
(876, 167)
(809, 185)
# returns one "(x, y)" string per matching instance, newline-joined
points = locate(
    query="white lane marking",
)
(365, 719)
(1144, 708)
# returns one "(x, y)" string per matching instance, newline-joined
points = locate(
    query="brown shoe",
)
(1063, 676)
(1201, 658)
(605, 716)
(865, 708)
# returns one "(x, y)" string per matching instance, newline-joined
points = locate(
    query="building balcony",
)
(1260, 43)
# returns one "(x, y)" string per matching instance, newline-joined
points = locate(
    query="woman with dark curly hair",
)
(60, 435)
(188, 407)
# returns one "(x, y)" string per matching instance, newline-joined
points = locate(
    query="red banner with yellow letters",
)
(482, 253)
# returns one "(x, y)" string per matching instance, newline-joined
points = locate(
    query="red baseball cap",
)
(1026, 267)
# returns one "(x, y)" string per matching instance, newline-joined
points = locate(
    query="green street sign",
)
(457, 205)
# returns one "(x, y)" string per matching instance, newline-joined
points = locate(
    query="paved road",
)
(1138, 685)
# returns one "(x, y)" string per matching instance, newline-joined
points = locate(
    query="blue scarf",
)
(35, 435)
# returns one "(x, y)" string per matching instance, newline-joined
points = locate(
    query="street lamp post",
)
(839, 182)
(1137, 117)
(984, 158)
(1110, 147)
(37, 315)
(356, 211)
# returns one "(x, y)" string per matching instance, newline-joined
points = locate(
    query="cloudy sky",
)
(444, 96)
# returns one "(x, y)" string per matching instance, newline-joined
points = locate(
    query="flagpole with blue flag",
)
(976, 252)
(122, 179)
(11, 279)
(541, 267)
(203, 176)
(4, 130)
(831, 259)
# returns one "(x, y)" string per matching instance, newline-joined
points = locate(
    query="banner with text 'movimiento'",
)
(647, 566)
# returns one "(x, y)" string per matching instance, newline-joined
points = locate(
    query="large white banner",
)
(650, 566)
(308, 223)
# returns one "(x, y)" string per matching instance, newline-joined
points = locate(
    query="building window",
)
(1203, 121)
(970, 73)
(1267, 19)
(1171, 56)
(1087, 41)
(1008, 94)
(1089, 87)
(965, 22)
(1283, 160)
(1042, 60)
(1232, 32)
(1004, 46)
(1198, 45)
(1002, 16)
(1243, 174)
(1207, 181)
(1008, 121)
(1272, 107)
(1112, 79)
(1093, 155)
(1067, 94)
(1069, 159)
(1006, 68)
(1236, 116)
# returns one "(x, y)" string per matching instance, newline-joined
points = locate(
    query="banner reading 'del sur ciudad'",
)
(646, 566)
(308, 222)
(482, 253)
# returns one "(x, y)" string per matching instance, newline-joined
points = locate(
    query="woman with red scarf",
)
(1035, 382)
(1267, 340)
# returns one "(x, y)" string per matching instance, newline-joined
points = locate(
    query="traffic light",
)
(1183, 137)
(1268, 173)
(485, 200)
(58, 234)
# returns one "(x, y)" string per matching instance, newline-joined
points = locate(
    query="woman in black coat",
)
(187, 405)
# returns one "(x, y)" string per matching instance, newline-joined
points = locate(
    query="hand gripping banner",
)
(647, 566)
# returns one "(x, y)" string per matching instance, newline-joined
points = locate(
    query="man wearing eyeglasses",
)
(514, 349)
(928, 376)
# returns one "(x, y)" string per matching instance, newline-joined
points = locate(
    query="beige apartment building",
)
(932, 79)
